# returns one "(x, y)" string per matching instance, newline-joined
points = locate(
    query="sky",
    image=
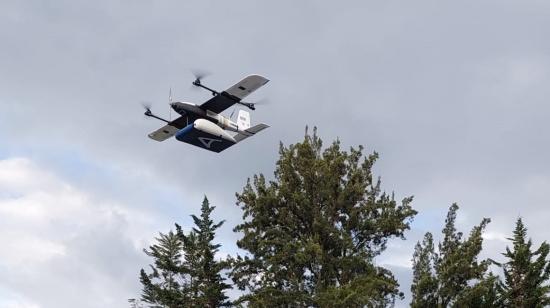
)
(451, 94)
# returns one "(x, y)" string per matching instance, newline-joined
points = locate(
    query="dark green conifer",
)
(208, 282)
(457, 263)
(425, 284)
(164, 285)
(311, 234)
(526, 272)
(185, 272)
(453, 276)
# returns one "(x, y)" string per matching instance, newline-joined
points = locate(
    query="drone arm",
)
(199, 84)
(150, 114)
(249, 105)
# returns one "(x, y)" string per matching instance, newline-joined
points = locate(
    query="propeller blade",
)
(146, 105)
(262, 101)
(170, 96)
(249, 105)
(200, 74)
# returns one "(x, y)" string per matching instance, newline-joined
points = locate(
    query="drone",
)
(204, 126)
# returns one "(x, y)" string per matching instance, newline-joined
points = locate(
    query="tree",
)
(453, 276)
(457, 264)
(526, 272)
(312, 233)
(425, 284)
(208, 284)
(165, 285)
(185, 272)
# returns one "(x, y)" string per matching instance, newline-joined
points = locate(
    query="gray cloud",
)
(451, 94)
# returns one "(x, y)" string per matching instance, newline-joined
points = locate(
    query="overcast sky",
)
(452, 94)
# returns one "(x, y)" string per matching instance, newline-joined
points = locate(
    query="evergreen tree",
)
(207, 281)
(312, 233)
(185, 273)
(453, 276)
(457, 264)
(164, 286)
(424, 285)
(526, 272)
(482, 293)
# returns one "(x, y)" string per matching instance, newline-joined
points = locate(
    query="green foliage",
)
(483, 293)
(366, 290)
(526, 272)
(425, 284)
(185, 273)
(313, 232)
(208, 284)
(453, 276)
(457, 264)
(164, 285)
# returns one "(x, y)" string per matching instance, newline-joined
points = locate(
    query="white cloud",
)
(63, 247)
(18, 175)
(494, 236)
(453, 98)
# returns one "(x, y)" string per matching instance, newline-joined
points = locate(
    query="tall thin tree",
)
(185, 272)
(207, 271)
(425, 283)
(526, 272)
(165, 285)
(453, 275)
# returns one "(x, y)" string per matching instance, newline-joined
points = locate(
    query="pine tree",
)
(526, 272)
(185, 272)
(457, 264)
(164, 286)
(207, 282)
(424, 285)
(312, 233)
(191, 257)
(453, 276)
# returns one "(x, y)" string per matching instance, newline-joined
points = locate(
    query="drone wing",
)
(164, 133)
(234, 94)
(171, 128)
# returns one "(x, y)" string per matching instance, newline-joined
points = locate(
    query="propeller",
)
(147, 107)
(169, 104)
(170, 95)
(199, 75)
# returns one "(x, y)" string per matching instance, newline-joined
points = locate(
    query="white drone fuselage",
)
(190, 109)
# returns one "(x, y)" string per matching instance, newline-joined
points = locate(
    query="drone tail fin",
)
(243, 120)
